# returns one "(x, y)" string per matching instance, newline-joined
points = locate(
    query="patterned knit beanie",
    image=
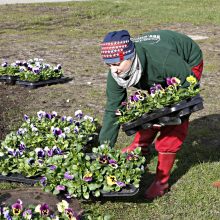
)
(117, 47)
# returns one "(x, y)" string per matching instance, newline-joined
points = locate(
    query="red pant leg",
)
(171, 137)
(197, 70)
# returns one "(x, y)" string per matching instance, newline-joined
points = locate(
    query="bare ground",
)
(81, 60)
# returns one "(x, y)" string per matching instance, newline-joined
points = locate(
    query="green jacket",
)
(162, 54)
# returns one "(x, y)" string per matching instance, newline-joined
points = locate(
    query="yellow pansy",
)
(111, 180)
(191, 79)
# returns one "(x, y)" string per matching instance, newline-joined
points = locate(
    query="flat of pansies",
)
(32, 70)
(42, 139)
(142, 102)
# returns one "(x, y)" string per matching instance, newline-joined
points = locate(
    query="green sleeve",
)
(115, 96)
(175, 66)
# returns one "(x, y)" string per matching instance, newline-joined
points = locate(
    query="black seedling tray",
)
(34, 85)
(19, 179)
(9, 79)
(168, 116)
(129, 191)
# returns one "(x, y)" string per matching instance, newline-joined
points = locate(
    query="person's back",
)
(183, 45)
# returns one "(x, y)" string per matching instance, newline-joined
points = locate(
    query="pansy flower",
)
(78, 114)
(121, 184)
(17, 207)
(71, 214)
(87, 177)
(69, 119)
(57, 150)
(111, 180)
(54, 114)
(76, 130)
(26, 117)
(52, 167)
(86, 117)
(43, 181)
(27, 214)
(113, 163)
(5, 64)
(60, 187)
(191, 79)
(40, 152)
(31, 161)
(68, 176)
(41, 114)
(103, 159)
(43, 209)
(61, 206)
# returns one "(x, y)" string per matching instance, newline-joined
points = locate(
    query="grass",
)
(70, 33)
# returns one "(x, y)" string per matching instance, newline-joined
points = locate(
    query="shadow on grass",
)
(202, 145)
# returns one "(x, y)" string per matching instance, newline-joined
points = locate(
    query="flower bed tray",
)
(34, 85)
(167, 116)
(130, 190)
(8, 79)
(19, 179)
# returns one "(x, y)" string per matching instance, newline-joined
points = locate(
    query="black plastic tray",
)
(9, 79)
(19, 179)
(168, 115)
(129, 191)
(34, 85)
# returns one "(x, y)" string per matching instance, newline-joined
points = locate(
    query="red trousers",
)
(171, 137)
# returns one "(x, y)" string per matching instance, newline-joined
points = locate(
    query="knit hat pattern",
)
(117, 47)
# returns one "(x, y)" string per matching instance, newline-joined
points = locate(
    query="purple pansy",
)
(68, 176)
(26, 117)
(41, 114)
(36, 70)
(43, 181)
(5, 64)
(40, 152)
(27, 214)
(17, 207)
(69, 119)
(44, 209)
(76, 130)
(31, 161)
(113, 163)
(53, 167)
(60, 187)
(57, 131)
(103, 159)
(121, 184)
(56, 150)
(87, 177)
(78, 114)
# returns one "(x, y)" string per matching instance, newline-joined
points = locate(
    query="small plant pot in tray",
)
(34, 85)
(19, 179)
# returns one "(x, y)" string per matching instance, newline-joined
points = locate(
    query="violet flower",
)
(27, 214)
(47, 115)
(76, 130)
(103, 159)
(53, 167)
(43, 209)
(26, 117)
(17, 207)
(43, 181)
(69, 119)
(86, 117)
(60, 187)
(113, 163)
(71, 214)
(59, 67)
(5, 64)
(68, 176)
(41, 114)
(57, 131)
(121, 184)
(63, 118)
(22, 146)
(78, 114)
(56, 150)
(40, 152)
(87, 177)
(31, 161)
(36, 70)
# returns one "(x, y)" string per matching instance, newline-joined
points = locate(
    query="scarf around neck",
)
(131, 77)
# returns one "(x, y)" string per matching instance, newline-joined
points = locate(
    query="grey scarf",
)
(132, 76)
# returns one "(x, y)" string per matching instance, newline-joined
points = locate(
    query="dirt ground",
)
(89, 75)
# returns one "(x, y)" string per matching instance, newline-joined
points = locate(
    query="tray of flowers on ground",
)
(32, 74)
(161, 106)
(49, 150)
